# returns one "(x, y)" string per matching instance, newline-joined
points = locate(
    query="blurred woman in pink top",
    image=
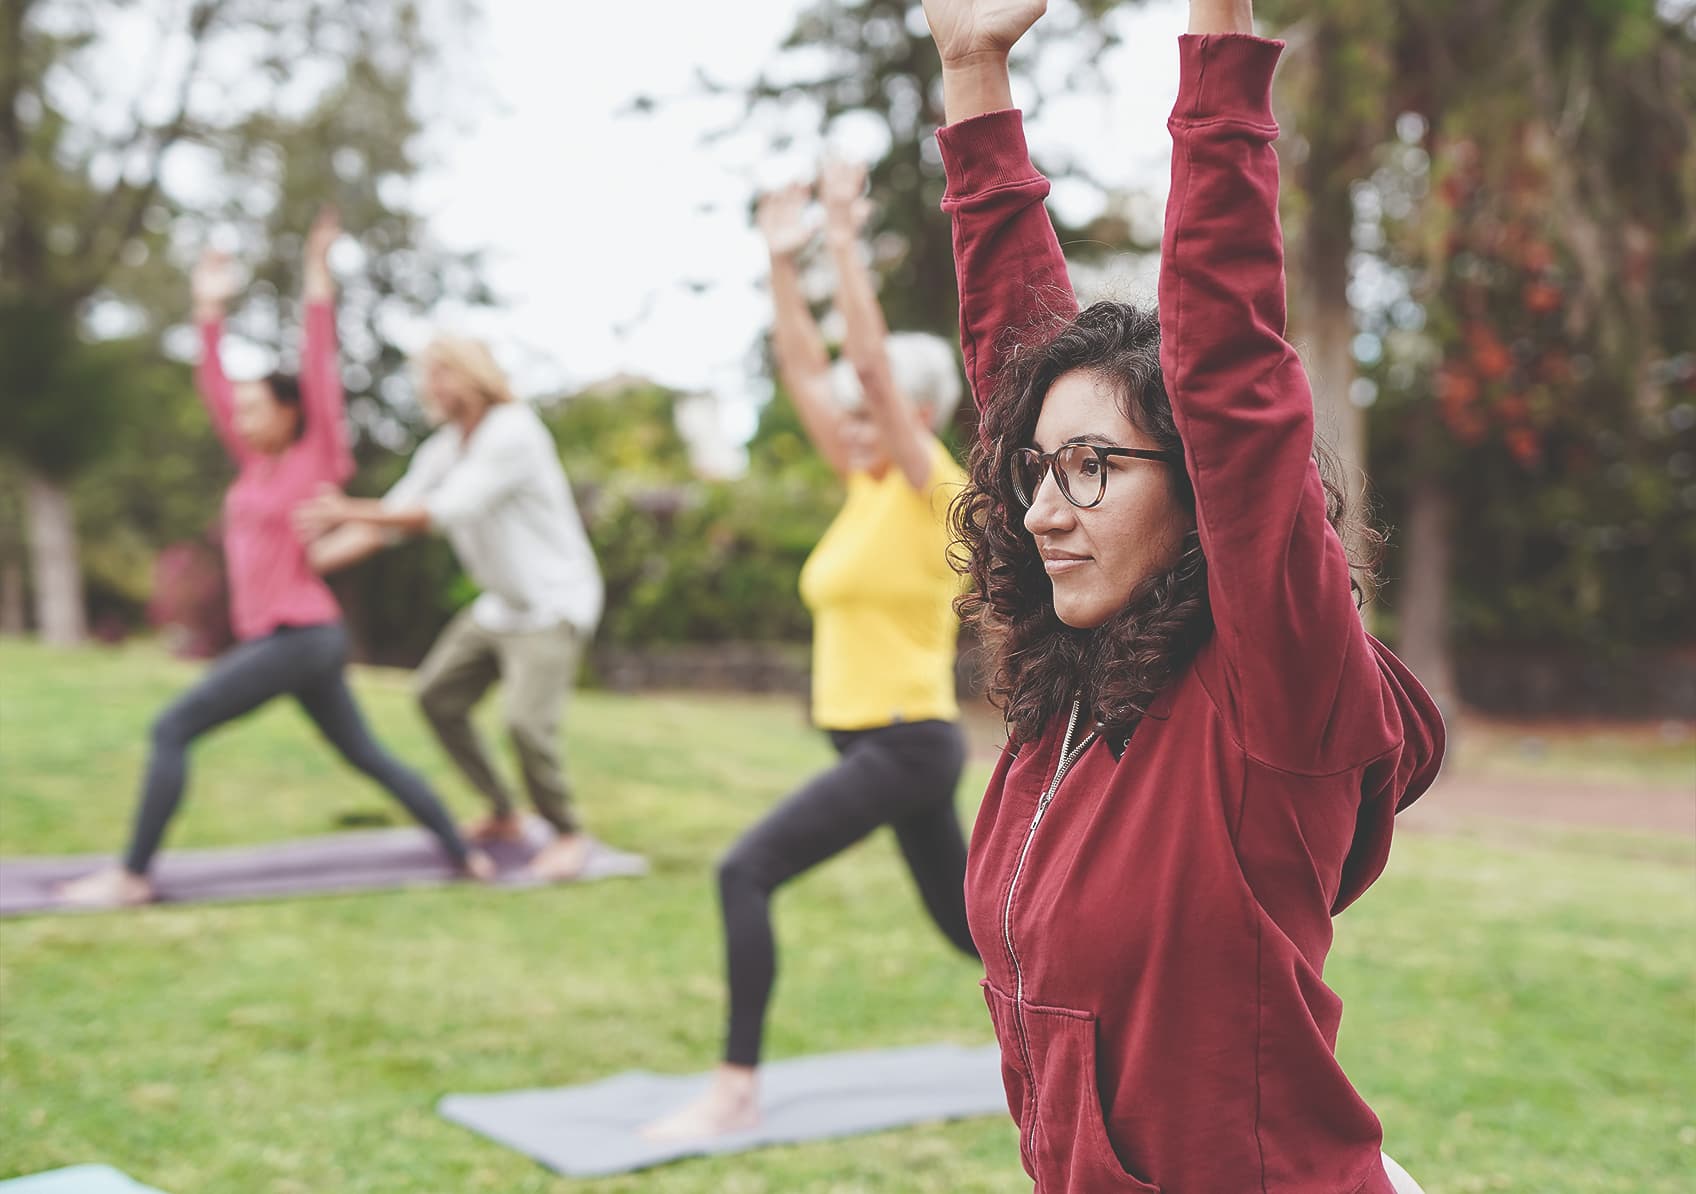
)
(287, 437)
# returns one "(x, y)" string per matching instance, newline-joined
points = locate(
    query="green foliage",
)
(1543, 359)
(62, 394)
(708, 562)
(619, 429)
(689, 561)
(160, 482)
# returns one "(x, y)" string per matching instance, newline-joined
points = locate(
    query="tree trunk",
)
(13, 620)
(1330, 327)
(54, 561)
(1336, 154)
(1424, 600)
(1326, 330)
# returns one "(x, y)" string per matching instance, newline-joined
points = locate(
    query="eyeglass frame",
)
(1047, 462)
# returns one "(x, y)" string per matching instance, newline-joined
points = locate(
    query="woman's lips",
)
(1060, 565)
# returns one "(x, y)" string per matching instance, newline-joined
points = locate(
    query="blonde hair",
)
(472, 360)
(926, 370)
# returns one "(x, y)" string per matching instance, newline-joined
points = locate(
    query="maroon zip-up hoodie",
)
(1154, 925)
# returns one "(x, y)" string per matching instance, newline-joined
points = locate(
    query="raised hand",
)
(782, 219)
(842, 190)
(212, 283)
(965, 30)
(326, 227)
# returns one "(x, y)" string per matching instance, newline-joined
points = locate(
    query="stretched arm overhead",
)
(1010, 271)
(1298, 665)
(212, 283)
(905, 436)
(803, 364)
(320, 373)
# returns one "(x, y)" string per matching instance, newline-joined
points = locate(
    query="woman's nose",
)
(1049, 510)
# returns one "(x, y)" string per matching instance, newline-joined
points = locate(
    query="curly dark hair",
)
(1039, 664)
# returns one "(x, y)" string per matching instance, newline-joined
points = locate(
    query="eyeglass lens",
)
(1077, 468)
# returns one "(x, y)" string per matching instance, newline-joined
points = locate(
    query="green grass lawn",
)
(1521, 1015)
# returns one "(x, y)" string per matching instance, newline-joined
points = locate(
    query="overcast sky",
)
(599, 227)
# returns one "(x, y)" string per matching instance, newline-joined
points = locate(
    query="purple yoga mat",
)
(369, 860)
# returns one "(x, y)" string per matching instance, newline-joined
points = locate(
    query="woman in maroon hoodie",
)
(1206, 748)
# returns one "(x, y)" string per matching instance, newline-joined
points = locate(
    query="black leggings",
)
(304, 662)
(902, 776)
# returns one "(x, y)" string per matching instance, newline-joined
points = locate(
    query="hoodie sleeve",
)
(1295, 672)
(1396, 778)
(1007, 260)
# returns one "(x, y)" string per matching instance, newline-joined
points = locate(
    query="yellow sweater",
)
(881, 594)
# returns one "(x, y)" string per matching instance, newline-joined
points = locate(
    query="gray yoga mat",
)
(78, 1179)
(593, 1130)
(366, 860)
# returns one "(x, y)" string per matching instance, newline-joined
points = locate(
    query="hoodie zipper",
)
(1068, 755)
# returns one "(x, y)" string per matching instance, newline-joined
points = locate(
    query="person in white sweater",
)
(490, 480)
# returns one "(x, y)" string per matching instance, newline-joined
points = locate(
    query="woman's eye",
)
(1090, 467)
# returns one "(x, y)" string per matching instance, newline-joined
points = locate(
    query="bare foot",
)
(731, 1104)
(113, 887)
(479, 867)
(496, 827)
(562, 859)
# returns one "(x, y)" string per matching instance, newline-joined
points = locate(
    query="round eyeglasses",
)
(1080, 470)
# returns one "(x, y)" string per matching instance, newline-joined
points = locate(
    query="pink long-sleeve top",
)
(1154, 921)
(271, 584)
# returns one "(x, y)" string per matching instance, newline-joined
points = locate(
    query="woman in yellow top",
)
(881, 593)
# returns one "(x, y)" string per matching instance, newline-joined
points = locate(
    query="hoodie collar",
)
(1119, 737)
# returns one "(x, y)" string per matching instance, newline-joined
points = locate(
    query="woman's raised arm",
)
(803, 363)
(866, 334)
(320, 370)
(1299, 668)
(212, 283)
(1008, 265)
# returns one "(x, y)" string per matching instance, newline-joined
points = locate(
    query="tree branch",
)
(140, 197)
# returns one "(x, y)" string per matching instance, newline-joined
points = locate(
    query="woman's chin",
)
(1080, 614)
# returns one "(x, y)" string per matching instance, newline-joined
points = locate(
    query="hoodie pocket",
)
(1068, 1138)
(1013, 1076)
(1063, 1140)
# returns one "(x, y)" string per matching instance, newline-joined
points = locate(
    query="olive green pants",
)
(537, 670)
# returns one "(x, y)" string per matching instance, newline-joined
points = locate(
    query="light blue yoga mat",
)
(78, 1179)
(594, 1130)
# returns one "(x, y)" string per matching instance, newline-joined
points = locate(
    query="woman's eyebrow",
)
(1089, 437)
